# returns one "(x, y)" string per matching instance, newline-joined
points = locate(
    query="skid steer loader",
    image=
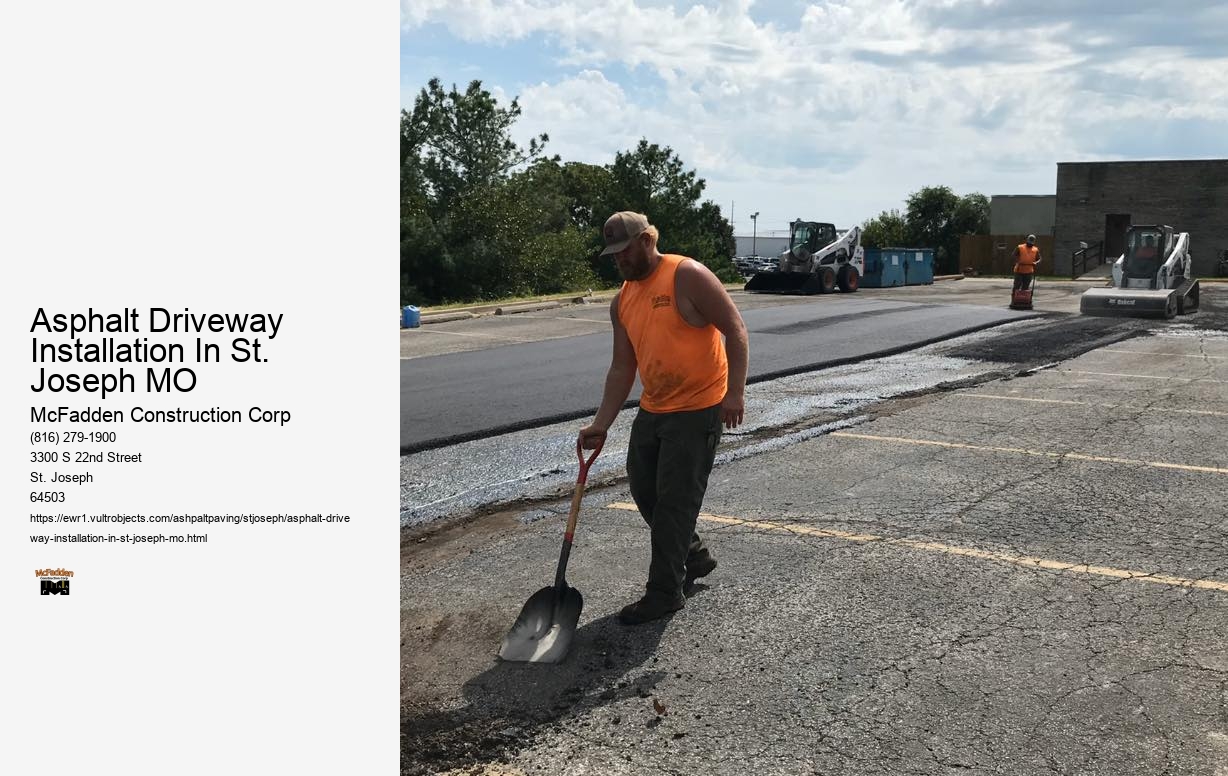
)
(1151, 278)
(818, 261)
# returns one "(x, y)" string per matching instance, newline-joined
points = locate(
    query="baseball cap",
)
(621, 228)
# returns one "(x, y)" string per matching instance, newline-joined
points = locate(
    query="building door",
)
(1115, 227)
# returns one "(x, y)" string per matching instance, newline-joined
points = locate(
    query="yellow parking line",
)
(476, 334)
(1103, 405)
(1026, 561)
(1034, 453)
(1145, 377)
(1158, 353)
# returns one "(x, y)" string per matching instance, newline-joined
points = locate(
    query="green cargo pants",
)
(669, 459)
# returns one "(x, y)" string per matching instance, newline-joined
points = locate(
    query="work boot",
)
(649, 608)
(701, 566)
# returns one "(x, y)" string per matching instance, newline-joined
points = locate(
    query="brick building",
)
(1097, 201)
(1022, 214)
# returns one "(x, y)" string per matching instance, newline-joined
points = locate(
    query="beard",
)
(634, 265)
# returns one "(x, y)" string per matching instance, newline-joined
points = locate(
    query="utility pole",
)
(754, 237)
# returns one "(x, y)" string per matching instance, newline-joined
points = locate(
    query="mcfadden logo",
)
(661, 300)
(52, 581)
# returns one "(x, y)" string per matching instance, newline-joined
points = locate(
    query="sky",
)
(837, 111)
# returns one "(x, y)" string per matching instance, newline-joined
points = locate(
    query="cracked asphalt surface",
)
(1021, 573)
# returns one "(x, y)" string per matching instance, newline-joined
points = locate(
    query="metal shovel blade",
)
(546, 625)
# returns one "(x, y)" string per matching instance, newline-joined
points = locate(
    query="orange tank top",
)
(682, 367)
(1027, 259)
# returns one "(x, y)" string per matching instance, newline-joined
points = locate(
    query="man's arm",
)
(618, 382)
(703, 291)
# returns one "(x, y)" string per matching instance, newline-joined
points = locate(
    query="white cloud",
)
(849, 104)
(415, 13)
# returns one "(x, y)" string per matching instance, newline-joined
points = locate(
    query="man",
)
(1027, 256)
(669, 318)
(1148, 249)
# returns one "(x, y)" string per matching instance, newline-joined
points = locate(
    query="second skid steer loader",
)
(1151, 278)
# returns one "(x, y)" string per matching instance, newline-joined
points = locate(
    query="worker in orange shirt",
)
(1027, 256)
(677, 327)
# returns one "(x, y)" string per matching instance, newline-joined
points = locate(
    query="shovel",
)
(547, 623)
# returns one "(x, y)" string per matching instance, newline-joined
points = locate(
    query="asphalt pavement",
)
(1021, 575)
(476, 390)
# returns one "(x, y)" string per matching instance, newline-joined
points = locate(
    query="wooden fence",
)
(993, 254)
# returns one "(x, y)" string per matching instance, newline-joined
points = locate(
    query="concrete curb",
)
(454, 315)
(526, 307)
(463, 313)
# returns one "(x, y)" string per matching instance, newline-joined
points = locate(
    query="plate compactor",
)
(1021, 298)
(1151, 278)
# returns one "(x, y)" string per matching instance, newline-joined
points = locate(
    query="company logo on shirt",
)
(660, 300)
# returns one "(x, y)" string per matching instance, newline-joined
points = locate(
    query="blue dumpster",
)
(884, 268)
(411, 317)
(919, 266)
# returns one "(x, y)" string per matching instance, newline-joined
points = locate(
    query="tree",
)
(971, 215)
(461, 142)
(886, 230)
(651, 179)
(457, 223)
(588, 188)
(937, 217)
(555, 262)
(929, 221)
(482, 217)
(713, 242)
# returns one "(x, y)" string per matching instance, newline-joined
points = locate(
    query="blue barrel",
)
(884, 268)
(411, 318)
(918, 266)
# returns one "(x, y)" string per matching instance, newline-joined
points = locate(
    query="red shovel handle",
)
(579, 493)
(584, 465)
